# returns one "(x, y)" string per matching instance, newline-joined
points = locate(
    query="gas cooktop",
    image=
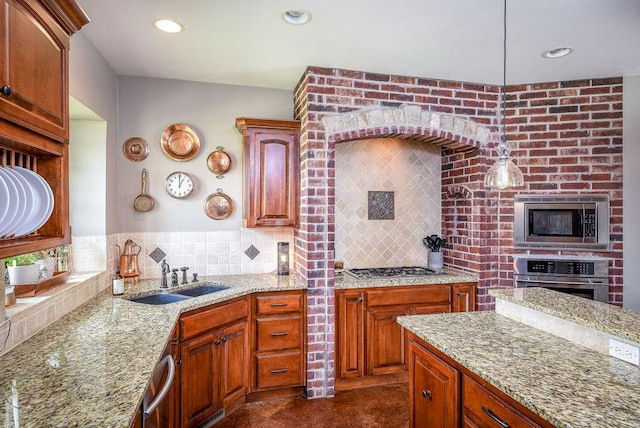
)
(390, 272)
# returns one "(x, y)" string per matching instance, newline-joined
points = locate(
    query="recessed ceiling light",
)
(557, 52)
(168, 25)
(296, 16)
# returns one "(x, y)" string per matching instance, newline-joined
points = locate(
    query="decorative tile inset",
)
(381, 205)
(252, 252)
(157, 255)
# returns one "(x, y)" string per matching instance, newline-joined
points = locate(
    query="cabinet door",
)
(434, 399)
(385, 341)
(483, 409)
(351, 333)
(234, 362)
(200, 379)
(464, 298)
(33, 58)
(275, 198)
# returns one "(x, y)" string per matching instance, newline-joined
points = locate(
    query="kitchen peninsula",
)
(91, 367)
(540, 378)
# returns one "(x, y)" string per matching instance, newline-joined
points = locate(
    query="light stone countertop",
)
(450, 276)
(565, 383)
(611, 319)
(91, 367)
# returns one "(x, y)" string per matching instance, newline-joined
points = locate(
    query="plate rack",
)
(51, 163)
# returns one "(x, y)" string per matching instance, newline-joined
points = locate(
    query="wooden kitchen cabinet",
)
(370, 345)
(34, 54)
(464, 298)
(433, 390)
(278, 346)
(214, 361)
(350, 333)
(443, 393)
(271, 172)
(34, 97)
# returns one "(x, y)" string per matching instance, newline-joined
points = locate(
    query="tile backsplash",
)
(204, 253)
(408, 174)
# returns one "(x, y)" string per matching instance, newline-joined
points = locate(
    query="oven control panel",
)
(561, 267)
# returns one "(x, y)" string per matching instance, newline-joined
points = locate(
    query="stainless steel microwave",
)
(561, 222)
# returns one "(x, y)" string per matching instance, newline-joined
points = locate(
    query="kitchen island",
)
(91, 367)
(556, 379)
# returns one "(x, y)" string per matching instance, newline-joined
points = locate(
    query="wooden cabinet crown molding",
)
(68, 14)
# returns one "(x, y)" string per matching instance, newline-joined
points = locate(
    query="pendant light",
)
(504, 173)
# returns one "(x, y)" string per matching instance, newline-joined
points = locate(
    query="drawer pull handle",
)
(283, 333)
(427, 394)
(279, 371)
(276, 305)
(499, 421)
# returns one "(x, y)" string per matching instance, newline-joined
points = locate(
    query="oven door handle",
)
(560, 282)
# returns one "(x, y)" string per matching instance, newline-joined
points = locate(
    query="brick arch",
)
(409, 122)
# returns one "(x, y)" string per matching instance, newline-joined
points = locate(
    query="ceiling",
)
(245, 42)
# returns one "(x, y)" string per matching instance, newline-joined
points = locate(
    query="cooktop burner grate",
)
(390, 272)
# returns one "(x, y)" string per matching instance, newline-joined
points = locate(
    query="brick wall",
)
(566, 136)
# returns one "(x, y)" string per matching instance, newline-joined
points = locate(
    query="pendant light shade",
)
(504, 173)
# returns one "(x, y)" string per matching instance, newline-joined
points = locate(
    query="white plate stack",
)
(26, 201)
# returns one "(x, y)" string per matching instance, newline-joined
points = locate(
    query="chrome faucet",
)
(165, 271)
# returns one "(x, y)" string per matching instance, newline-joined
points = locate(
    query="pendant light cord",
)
(504, 80)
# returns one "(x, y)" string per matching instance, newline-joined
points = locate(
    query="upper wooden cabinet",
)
(34, 53)
(271, 172)
(34, 104)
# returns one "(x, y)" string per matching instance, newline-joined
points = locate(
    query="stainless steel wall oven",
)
(585, 277)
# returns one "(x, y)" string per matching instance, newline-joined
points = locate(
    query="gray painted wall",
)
(147, 106)
(93, 82)
(631, 207)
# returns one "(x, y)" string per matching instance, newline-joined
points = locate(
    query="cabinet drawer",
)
(195, 323)
(279, 370)
(278, 333)
(270, 304)
(483, 408)
(410, 296)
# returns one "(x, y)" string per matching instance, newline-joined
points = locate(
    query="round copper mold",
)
(135, 149)
(218, 206)
(219, 162)
(180, 143)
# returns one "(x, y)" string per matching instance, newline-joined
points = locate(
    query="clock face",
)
(179, 184)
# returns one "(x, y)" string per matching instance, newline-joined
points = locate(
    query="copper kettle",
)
(129, 261)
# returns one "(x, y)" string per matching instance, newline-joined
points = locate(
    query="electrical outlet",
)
(624, 351)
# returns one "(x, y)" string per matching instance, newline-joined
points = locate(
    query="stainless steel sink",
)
(201, 290)
(158, 299)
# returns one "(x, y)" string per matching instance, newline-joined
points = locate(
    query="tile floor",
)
(378, 407)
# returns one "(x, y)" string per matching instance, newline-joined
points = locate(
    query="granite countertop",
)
(611, 319)
(566, 384)
(91, 367)
(449, 276)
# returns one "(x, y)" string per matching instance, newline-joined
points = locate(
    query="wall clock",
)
(179, 185)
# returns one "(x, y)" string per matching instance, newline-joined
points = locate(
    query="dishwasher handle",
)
(168, 360)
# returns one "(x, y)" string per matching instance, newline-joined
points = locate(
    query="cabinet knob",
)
(217, 342)
(427, 394)
(361, 300)
(178, 362)
(458, 294)
(6, 90)
(224, 339)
